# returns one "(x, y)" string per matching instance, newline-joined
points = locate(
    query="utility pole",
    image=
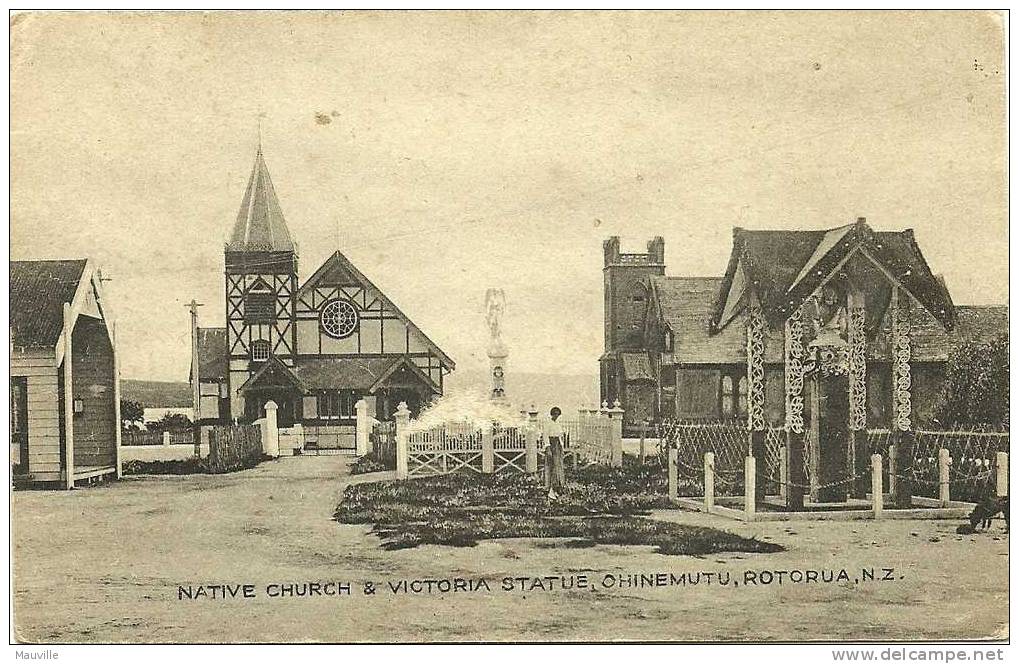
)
(195, 396)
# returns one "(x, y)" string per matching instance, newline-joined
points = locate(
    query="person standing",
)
(555, 467)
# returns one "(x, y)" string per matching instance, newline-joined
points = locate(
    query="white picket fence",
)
(593, 437)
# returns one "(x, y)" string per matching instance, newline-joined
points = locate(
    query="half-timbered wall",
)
(380, 330)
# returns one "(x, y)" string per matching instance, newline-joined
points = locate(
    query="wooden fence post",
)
(673, 478)
(783, 474)
(750, 487)
(1001, 474)
(531, 441)
(709, 481)
(615, 415)
(402, 422)
(944, 482)
(891, 469)
(362, 428)
(876, 488)
(166, 438)
(487, 448)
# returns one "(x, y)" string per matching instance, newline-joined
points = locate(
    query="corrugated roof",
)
(38, 292)
(212, 355)
(341, 372)
(260, 225)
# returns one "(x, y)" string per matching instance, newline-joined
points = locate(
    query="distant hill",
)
(569, 392)
(156, 393)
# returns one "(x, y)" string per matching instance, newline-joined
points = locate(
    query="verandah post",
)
(402, 423)
(1001, 474)
(792, 461)
(876, 488)
(902, 405)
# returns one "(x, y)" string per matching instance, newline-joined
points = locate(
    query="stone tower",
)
(626, 295)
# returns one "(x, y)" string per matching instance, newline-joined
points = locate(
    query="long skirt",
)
(555, 468)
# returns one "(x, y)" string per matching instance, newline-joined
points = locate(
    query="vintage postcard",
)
(509, 326)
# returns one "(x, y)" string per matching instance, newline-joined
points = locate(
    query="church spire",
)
(260, 225)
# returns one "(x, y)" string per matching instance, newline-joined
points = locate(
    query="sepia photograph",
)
(507, 326)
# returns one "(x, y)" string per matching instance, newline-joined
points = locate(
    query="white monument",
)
(495, 306)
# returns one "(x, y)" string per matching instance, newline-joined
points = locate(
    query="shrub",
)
(975, 392)
(372, 462)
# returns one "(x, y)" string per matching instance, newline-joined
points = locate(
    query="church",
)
(315, 348)
(796, 315)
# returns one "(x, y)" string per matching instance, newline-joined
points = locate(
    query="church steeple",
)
(260, 225)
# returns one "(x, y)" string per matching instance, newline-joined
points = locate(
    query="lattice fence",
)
(729, 441)
(971, 473)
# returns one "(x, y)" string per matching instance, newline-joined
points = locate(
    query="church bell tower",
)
(261, 285)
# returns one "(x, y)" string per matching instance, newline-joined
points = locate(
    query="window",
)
(668, 341)
(742, 395)
(726, 396)
(259, 304)
(637, 306)
(337, 404)
(338, 318)
(260, 350)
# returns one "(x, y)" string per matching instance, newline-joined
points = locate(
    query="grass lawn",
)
(601, 506)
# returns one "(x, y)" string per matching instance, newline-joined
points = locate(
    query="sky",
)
(450, 152)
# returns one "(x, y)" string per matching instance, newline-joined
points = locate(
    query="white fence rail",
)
(495, 448)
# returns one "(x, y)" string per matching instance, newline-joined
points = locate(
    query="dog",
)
(985, 510)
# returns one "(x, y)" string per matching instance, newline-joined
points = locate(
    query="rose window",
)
(338, 318)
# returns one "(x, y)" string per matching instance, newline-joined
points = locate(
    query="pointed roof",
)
(273, 374)
(339, 267)
(260, 225)
(785, 267)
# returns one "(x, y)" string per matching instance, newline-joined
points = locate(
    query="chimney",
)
(611, 249)
(656, 250)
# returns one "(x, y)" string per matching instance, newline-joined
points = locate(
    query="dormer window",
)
(259, 304)
(260, 350)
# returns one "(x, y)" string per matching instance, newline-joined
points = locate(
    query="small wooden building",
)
(65, 392)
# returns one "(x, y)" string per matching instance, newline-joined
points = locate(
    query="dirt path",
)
(104, 565)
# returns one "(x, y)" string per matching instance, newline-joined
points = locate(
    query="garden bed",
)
(601, 506)
(192, 466)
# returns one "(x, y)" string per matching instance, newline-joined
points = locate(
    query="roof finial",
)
(260, 116)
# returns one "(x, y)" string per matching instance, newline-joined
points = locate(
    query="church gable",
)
(341, 312)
